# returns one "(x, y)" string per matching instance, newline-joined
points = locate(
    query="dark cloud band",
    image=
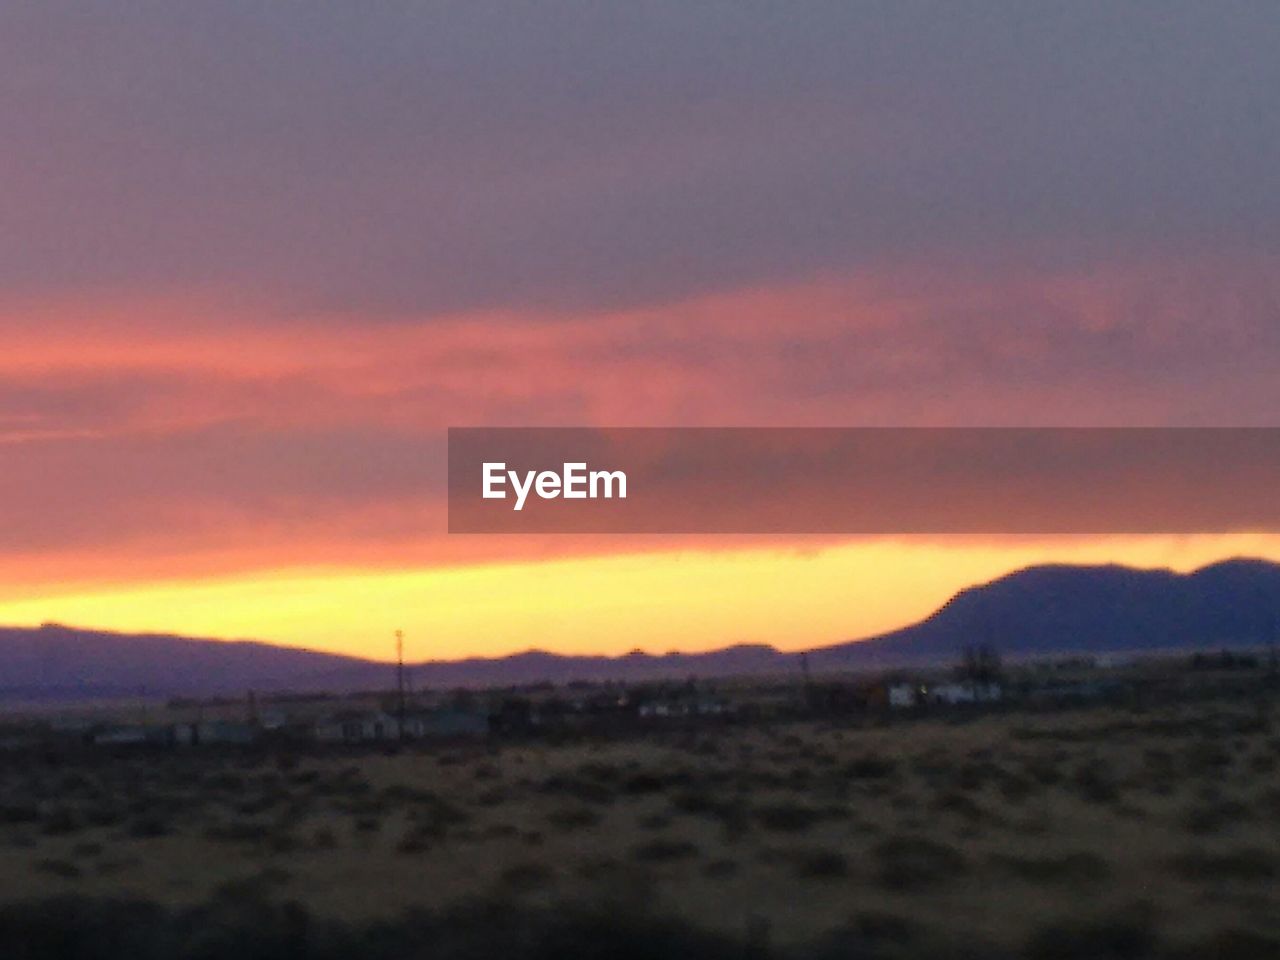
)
(864, 481)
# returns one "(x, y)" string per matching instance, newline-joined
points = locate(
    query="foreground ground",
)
(1015, 831)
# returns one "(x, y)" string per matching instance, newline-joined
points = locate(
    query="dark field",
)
(1106, 831)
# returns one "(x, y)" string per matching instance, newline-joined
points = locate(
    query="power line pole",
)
(808, 681)
(400, 678)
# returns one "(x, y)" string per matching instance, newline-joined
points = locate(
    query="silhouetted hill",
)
(55, 661)
(1036, 611)
(1048, 609)
(537, 665)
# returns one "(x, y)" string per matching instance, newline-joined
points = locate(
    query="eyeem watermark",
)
(874, 481)
(573, 482)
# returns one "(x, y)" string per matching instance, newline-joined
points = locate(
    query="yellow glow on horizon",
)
(688, 600)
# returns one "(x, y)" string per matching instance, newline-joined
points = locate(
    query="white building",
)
(357, 727)
(906, 695)
(903, 695)
(445, 724)
(965, 691)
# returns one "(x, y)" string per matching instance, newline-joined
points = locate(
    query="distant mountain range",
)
(1033, 612)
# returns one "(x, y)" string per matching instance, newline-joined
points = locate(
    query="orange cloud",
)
(157, 440)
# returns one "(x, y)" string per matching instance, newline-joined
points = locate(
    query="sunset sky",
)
(255, 258)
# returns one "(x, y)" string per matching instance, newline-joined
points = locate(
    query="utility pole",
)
(808, 681)
(400, 679)
(1273, 658)
(1271, 647)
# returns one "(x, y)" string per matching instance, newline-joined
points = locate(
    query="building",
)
(378, 725)
(357, 727)
(965, 691)
(445, 723)
(220, 731)
(132, 735)
(907, 695)
(903, 695)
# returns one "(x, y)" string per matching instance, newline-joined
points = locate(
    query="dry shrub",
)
(579, 788)
(787, 817)
(699, 803)
(1230, 944)
(1262, 763)
(103, 815)
(60, 821)
(1015, 788)
(416, 841)
(820, 864)
(719, 868)
(59, 868)
(1045, 769)
(148, 826)
(1096, 782)
(238, 831)
(1213, 815)
(14, 813)
(876, 935)
(493, 797)
(953, 801)
(640, 784)
(1207, 758)
(976, 774)
(1246, 864)
(1121, 936)
(871, 767)
(1069, 868)
(663, 850)
(573, 818)
(528, 876)
(907, 863)
(110, 866)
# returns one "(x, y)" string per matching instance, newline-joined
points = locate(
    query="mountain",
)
(536, 665)
(57, 662)
(1031, 612)
(1078, 609)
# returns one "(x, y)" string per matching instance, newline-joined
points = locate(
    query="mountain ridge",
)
(1034, 611)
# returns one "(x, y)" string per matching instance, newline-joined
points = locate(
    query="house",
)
(355, 726)
(655, 708)
(1112, 661)
(378, 725)
(18, 737)
(445, 723)
(665, 708)
(73, 726)
(224, 731)
(966, 691)
(907, 695)
(1064, 692)
(903, 695)
(712, 707)
(132, 734)
(273, 720)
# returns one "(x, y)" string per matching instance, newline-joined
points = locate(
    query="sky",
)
(255, 258)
